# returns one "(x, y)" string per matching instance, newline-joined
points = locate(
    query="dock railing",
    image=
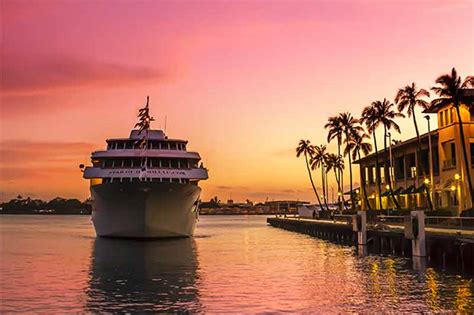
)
(444, 222)
(466, 223)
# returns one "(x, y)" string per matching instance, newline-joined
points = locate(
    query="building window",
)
(413, 172)
(441, 118)
(472, 153)
(453, 152)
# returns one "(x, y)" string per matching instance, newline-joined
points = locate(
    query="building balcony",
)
(449, 164)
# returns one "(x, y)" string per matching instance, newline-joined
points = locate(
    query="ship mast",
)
(144, 125)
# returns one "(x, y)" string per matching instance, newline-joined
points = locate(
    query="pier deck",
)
(434, 231)
(444, 246)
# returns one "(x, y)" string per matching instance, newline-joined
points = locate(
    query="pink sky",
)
(242, 81)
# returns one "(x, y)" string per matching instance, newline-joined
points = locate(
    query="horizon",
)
(242, 82)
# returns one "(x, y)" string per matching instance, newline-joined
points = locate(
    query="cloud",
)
(28, 161)
(34, 74)
(287, 152)
(28, 153)
(43, 168)
(224, 187)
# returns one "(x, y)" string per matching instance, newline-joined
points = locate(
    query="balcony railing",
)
(449, 163)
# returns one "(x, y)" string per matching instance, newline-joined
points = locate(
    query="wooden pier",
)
(447, 248)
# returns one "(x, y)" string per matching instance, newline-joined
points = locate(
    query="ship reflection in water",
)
(143, 276)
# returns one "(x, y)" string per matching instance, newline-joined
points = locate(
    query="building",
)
(411, 174)
(284, 206)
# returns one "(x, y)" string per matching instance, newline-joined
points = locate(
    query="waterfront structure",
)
(412, 170)
(146, 185)
(284, 206)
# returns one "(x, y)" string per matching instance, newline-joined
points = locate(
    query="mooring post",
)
(359, 225)
(415, 231)
(362, 250)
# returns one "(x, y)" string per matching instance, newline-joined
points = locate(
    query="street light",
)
(430, 160)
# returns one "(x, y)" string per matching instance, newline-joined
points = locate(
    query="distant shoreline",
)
(82, 214)
(27, 213)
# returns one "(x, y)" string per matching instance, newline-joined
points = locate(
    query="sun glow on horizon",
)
(242, 82)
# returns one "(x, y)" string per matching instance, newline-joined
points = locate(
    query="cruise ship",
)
(146, 185)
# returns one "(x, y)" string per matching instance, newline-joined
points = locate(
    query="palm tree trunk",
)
(387, 173)
(338, 180)
(339, 172)
(350, 176)
(427, 190)
(323, 183)
(327, 184)
(466, 161)
(311, 179)
(377, 171)
(364, 191)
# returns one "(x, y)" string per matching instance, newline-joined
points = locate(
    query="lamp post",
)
(427, 117)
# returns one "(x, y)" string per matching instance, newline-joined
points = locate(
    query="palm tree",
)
(386, 115)
(408, 98)
(450, 91)
(350, 127)
(358, 145)
(318, 160)
(335, 131)
(305, 148)
(336, 163)
(369, 118)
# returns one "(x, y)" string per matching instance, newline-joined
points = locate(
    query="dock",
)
(445, 247)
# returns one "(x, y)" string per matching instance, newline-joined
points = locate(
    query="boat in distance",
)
(146, 185)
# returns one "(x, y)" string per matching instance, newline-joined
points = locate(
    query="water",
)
(233, 264)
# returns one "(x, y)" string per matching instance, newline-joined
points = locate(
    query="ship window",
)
(108, 163)
(175, 180)
(127, 163)
(174, 164)
(166, 180)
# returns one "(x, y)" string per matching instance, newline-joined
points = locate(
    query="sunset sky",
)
(243, 81)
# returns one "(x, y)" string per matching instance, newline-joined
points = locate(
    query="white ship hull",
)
(145, 209)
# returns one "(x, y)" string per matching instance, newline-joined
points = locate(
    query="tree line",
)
(58, 205)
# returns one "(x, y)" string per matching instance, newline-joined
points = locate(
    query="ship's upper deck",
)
(146, 154)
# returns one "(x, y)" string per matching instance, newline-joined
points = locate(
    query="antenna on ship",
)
(165, 122)
(144, 125)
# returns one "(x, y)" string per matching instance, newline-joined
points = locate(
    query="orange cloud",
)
(48, 168)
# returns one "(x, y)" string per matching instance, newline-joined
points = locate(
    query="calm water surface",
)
(233, 264)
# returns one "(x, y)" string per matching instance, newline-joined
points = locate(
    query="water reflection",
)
(234, 264)
(139, 276)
